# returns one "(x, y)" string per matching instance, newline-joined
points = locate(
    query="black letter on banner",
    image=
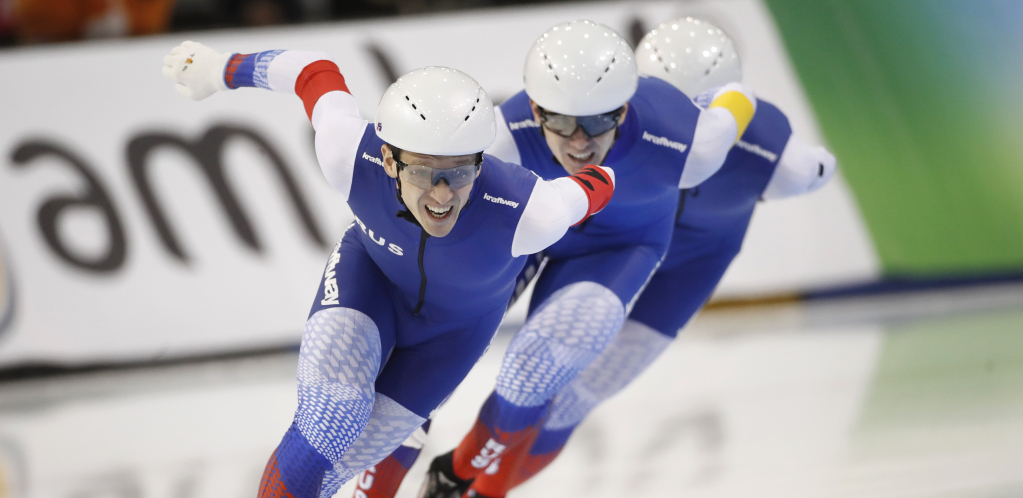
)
(383, 61)
(208, 152)
(95, 197)
(637, 30)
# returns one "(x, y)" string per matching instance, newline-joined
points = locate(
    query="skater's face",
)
(579, 149)
(435, 200)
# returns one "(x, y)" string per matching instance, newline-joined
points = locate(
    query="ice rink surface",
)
(917, 395)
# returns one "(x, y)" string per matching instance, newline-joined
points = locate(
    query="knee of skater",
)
(331, 415)
(583, 315)
(337, 367)
(630, 353)
(340, 346)
(570, 406)
(390, 424)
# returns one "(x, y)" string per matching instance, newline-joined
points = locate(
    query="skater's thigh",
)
(676, 293)
(624, 271)
(419, 376)
(352, 280)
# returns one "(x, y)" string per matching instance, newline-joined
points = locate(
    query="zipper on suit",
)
(422, 273)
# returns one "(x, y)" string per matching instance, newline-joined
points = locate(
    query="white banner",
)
(135, 224)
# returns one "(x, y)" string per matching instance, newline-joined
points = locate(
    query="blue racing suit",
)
(712, 222)
(767, 162)
(593, 274)
(399, 317)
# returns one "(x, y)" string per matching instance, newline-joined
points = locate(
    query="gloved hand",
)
(197, 70)
(825, 168)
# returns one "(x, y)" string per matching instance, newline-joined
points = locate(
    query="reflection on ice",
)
(868, 397)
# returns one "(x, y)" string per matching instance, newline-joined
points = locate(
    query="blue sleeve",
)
(249, 69)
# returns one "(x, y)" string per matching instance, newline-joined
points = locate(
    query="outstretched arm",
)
(199, 71)
(729, 110)
(801, 170)
(560, 203)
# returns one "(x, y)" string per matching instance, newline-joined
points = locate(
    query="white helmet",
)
(691, 54)
(580, 68)
(438, 111)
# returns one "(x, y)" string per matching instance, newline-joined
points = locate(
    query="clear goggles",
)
(426, 177)
(597, 124)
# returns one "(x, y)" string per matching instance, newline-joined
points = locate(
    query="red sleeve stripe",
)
(232, 67)
(598, 187)
(317, 79)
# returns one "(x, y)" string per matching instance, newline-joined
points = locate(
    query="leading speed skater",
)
(413, 292)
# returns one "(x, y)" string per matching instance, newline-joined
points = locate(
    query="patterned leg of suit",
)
(383, 479)
(389, 425)
(337, 366)
(561, 338)
(634, 348)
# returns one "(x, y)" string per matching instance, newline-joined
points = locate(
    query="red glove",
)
(599, 185)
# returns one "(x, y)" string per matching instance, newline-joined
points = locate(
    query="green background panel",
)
(922, 103)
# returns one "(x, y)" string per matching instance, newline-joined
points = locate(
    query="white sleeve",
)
(284, 69)
(339, 125)
(504, 146)
(801, 169)
(339, 129)
(714, 137)
(716, 133)
(552, 208)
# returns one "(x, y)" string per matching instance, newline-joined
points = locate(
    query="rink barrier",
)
(38, 370)
(896, 285)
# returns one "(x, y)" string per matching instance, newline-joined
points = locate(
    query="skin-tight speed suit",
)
(767, 163)
(593, 275)
(372, 368)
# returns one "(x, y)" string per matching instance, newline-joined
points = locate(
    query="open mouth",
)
(438, 213)
(581, 157)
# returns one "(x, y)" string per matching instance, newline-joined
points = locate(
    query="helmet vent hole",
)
(414, 107)
(557, 78)
(477, 101)
(466, 118)
(600, 78)
(705, 73)
(473, 109)
(424, 117)
(612, 61)
(608, 68)
(406, 97)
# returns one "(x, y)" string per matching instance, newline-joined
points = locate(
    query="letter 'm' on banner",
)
(208, 155)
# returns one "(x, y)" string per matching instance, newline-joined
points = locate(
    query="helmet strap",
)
(406, 213)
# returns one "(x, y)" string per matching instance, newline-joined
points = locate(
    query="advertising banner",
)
(138, 225)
